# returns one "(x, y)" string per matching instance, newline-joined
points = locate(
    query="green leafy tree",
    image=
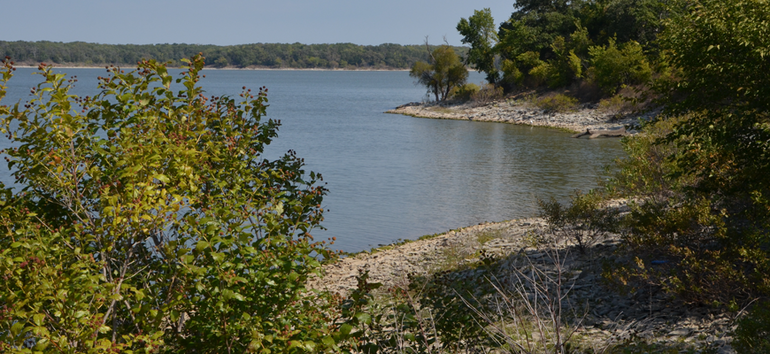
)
(561, 32)
(479, 31)
(722, 52)
(147, 221)
(614, 67)
(624, 20)
(535, 25)
(704, 178)
(444, 72)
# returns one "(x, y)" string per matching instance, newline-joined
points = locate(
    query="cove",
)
(396, 177)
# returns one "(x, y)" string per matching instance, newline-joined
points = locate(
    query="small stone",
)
(682, 332)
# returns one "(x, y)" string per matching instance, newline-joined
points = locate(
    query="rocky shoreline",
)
(647, 314)
(587, 117)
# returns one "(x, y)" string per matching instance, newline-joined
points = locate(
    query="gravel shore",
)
(587, 116)
(646, 314)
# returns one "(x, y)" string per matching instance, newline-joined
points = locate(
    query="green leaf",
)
(16, 328)
(328, 341)
(217, 256)
(41, 344)
(363, 317)
(163, 178)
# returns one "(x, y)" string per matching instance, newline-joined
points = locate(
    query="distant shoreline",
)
(214, 68)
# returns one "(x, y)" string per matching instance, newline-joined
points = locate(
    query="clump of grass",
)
(441, 109)
(488, 235)
(452, 257)
(612, 105)
(557, 103)
(617, 105)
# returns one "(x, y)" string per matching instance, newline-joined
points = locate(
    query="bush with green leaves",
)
(614, 66)
(585, 221)
(699, 175)
(511, 75)
(616, 105)
(425, 316)
(752, 335)
(464, 92)
(566, 67)
(147, 220)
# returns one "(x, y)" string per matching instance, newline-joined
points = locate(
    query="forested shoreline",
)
(256, 55)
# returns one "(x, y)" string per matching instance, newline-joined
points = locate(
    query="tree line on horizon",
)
(266, 55)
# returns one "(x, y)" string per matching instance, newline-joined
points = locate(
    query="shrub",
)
(148, 219)
(703, 260)
(585, 221)
(547, 73)
(488, 93)
(619, 104)
(511, 74)
(612, 105)
(557, 103)
(464, 92)
(704, 198)
(753, 332)
(614, 67)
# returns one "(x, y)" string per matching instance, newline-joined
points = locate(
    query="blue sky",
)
(227, 22)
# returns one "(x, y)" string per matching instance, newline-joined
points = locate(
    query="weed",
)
(488, 235)
(557, 103)
(585, 222)
(532, 306)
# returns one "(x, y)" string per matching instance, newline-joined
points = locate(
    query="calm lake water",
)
(396, 177)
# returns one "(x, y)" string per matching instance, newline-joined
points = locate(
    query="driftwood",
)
(609, 133)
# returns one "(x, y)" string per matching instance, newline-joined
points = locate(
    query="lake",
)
(395, 177)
